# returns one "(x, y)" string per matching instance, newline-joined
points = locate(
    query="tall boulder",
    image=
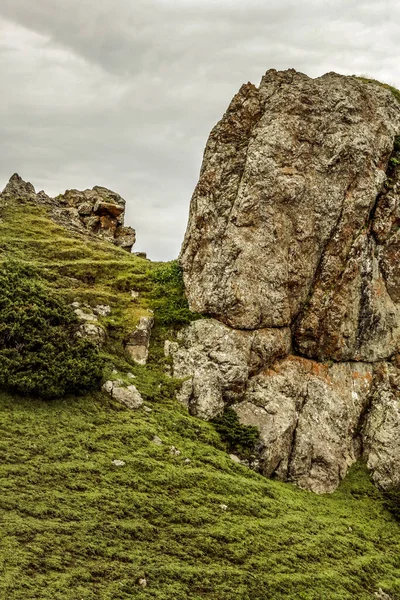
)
(294, 228)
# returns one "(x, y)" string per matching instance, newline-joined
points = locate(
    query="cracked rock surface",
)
(293, 247)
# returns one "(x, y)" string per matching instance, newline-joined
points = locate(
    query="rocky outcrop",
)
(294, 230)
(137, 344)
(98, 212)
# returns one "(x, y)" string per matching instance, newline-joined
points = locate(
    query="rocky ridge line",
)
(97, 212)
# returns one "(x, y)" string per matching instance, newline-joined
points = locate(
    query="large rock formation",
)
(98, 212)
(294, 227)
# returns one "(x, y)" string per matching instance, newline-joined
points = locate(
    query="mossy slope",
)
(194, 524)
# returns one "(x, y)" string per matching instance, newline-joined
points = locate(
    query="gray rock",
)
(215, 362)
(103, 310)
(92, 332)
(129, 396)
(157, 441)
(118, 463)
(308, 415)
(138, 342)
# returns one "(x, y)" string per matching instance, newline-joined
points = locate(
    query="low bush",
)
(40, 353)
(240, 439)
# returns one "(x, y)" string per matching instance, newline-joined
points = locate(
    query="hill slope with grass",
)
(177, 519)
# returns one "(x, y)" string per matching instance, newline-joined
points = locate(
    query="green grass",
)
(73, 526)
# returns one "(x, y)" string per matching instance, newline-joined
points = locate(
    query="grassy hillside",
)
(181, 514)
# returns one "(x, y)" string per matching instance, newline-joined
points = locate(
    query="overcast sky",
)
(123, 93)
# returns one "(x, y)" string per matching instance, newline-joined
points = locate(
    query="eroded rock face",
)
(294, 230)
(216, 362)
(290, 176)
(98, 212)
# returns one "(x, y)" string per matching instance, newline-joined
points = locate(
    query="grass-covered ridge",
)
(189, 520)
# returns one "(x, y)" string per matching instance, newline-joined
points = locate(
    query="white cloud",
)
(124, 94)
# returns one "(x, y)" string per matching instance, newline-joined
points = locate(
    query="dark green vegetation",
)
(240, 439)
(75, 526)
(40, 353)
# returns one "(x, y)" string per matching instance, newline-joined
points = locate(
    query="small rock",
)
(174, 451)
(83, 315)
(382, 595)
(92, 332)
(129, 396)
(137, 346)
(114, 371)
(102, 309)
(118, 463)
(134, 294)
(147, 409)
(142, 582)
(108, 386)
(75, 304)
(157, 440)
(187, 461)
(223, 507)
(131, 376)
(235, 458)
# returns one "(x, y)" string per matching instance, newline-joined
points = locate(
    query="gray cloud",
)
(124, 94)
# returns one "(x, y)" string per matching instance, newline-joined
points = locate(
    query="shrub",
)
(168, 298)
(40, 353)
(240, 439)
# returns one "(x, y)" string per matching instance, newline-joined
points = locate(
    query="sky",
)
(124, 93)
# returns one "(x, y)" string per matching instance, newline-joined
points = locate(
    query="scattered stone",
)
(114, 371)
(381, 595)
(157, 440)
(85, 315)
(129, 395)
(108, 386)
(223, 506)
(174, 451)
(118, 463)
(142, 582)
(147, 409)
(131, 376)
(102, 310)
(235, 458)
(134, 294)
(92, 332)
(187, 461)
(137, 345)
(140, 254)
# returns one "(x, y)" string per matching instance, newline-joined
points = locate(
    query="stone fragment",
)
(103, 310)
(118, 463)
(138, 342)
(157, 441)
(129, 396)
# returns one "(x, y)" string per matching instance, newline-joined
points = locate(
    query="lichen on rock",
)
(294, 229)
